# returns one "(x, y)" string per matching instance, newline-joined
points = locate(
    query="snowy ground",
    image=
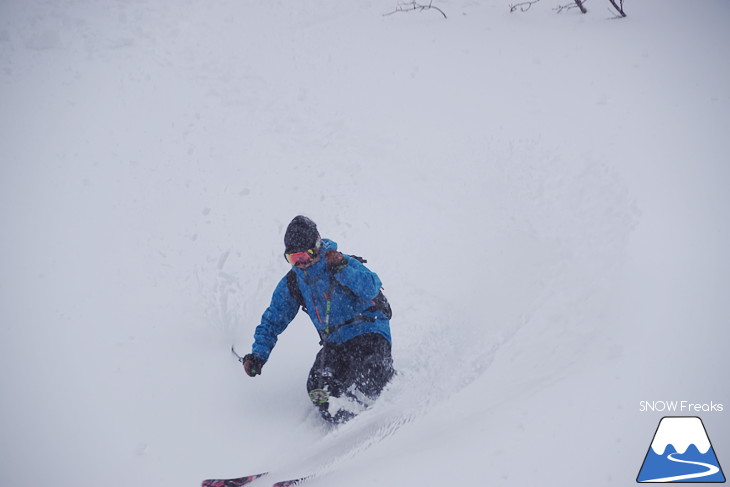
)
(544, 196)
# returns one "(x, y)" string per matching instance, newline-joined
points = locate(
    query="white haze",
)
(545, 197)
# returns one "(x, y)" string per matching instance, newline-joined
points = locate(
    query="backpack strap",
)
(291, 283)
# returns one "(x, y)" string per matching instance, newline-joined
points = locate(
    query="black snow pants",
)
(346, 378)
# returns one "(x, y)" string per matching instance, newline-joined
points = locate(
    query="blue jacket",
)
(350, 290)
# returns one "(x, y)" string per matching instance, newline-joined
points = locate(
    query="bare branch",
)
(523, 6)
(577, 4)
(410, 6)
(619, 7)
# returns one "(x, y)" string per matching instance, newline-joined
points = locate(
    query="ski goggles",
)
(304, 257)
(299, 258)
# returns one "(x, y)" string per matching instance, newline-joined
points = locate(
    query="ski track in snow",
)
(371, 427)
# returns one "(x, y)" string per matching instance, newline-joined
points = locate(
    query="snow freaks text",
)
(680, 407)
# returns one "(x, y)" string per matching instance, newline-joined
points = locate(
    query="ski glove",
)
(252, 365)
(334, 260)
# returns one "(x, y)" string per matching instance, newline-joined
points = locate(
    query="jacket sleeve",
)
(276, 318)
(359, 279)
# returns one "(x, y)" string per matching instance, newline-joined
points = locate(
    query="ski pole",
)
(233, 351)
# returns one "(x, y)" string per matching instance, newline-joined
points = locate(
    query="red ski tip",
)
(237, 482)
(290, 483)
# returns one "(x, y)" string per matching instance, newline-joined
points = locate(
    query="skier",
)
(343, 298)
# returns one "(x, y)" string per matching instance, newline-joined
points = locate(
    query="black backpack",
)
(380, 302)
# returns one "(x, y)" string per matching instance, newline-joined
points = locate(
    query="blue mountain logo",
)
(681, 452)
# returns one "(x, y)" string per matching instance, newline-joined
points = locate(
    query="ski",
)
(238, 482)
(292, 482)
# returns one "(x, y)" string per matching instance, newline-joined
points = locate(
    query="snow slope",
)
(544, 196)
